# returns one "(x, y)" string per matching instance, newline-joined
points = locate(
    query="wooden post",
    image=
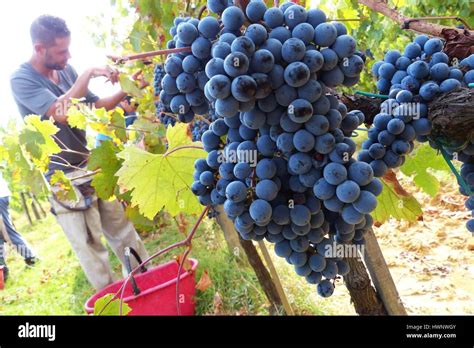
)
(25, 207)
(263, 276)
(35, 210)
(230, 234)
(381, 276)
(276, 278)
(240, 247)
(43, 212)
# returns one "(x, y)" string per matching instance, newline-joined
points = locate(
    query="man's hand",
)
(111, 73)
(138, 76)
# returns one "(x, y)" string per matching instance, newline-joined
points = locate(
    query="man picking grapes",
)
(45, 86)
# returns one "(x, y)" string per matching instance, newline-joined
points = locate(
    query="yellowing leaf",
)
(36, 137)
(105, 159)
(76, 118)
(417, 165)
(107, 307)
(160, 181)
(64, 188)
(393, 204)
(178, 135)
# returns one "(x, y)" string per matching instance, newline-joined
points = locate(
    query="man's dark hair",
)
(46, 29)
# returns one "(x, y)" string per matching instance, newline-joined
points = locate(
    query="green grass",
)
(57, 285)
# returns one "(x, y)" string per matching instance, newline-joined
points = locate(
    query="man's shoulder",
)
(23, 71)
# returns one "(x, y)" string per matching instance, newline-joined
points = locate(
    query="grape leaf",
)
(105, 159)
(396, 203)
(129, 86)
(76, 118)
(23, 171)
(117, 121)
(36, 137)
(417, 165)
(65, 190)
(111, 307)
(162, 180)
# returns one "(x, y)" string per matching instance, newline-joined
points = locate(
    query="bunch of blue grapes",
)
(412, 80)
(183, 84)
(159, 73)
(198, 128)
(280, 157)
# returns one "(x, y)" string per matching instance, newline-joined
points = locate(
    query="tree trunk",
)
(452, 115)
(363, 295)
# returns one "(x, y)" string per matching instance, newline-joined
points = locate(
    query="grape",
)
(300, 163)
(257, 33)
(335, 173)
(187, 33)
(296, 74)
(293, 50)
(412, 50)
(236, 64)
(295, 15)
(344, 46)
(243, 88)
(316, 17)
(255, 10)
(262, 61)
(267, 190)
(220, 50)
(260, 210)
(429, 91)
(303, 141)
(325, 34)
(330, 59)
(432, 46)
(325, 288)
(348, 191)
(274, 17)
(304, 32)
(233, 18)
(300, 110)
(366, 202)
(449, 85)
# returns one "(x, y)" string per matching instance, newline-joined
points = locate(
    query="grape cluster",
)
(279, 153)
(412, 80)
(158, 74)
(183, 84)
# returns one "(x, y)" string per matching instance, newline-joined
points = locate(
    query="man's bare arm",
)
(110, 102)
(79, 89)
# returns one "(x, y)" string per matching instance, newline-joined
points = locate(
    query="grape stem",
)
(184, 242)
(121, 60)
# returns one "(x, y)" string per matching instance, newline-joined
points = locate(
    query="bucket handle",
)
(128, 266)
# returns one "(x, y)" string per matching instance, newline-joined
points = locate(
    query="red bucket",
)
(153, 292)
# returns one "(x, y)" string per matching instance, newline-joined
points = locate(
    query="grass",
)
(57, 285)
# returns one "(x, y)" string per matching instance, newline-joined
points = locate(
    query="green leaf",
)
(107, 307)
(117, 120)
(417, 165)
(392, 204)
(36, 137)
(65, 189)
(160, 181)
(129, 86)
(104, 158)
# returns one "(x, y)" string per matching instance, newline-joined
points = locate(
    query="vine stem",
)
(121, 60)
(182, 148)
(186, 241)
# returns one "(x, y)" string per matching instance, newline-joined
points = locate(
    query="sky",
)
(15, 20)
